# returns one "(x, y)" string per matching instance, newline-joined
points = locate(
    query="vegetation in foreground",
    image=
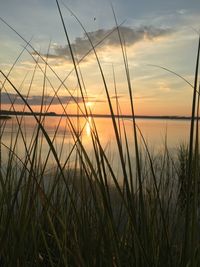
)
(80, 213)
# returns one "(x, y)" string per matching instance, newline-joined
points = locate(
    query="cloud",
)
(36, 100)
(146, 97)
(117, 97)
(108, 38)
(182, 11)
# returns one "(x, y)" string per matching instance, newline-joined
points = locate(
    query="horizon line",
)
(54, 114)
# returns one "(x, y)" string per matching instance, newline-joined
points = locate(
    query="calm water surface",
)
(155, 132)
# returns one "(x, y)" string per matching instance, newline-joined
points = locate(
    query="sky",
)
(154, 33)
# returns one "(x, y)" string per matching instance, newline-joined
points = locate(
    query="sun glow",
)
(89, 105)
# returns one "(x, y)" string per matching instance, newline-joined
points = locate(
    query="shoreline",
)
(4, 114)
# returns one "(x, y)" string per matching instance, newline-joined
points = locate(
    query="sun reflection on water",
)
(88, 127)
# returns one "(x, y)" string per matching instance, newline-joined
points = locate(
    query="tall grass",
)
(67, 207)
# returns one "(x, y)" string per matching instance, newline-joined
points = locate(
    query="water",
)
(155, 131)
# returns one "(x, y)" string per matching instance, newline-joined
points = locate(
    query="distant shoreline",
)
(8, 114)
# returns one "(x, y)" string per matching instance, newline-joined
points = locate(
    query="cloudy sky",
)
(155, 32)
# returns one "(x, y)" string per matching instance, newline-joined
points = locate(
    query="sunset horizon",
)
(99, 133)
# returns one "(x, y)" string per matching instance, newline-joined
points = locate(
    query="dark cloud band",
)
(36, 100)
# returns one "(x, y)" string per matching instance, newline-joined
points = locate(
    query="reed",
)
(69, 208)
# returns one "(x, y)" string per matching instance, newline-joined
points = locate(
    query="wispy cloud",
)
(182, 11)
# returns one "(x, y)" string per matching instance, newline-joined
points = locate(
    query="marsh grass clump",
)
(54, 218)
(66, 207)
